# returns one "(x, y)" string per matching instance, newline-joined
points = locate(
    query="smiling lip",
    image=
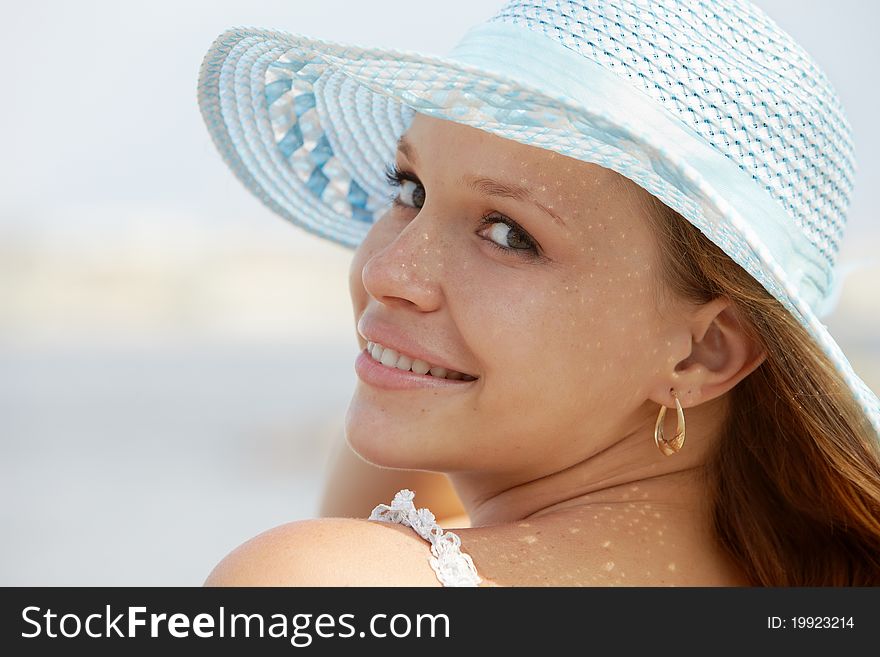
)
(389, 336)
(376, 374)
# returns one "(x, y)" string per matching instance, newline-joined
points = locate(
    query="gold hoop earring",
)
(670, 447)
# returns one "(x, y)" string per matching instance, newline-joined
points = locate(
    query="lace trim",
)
(453, 567)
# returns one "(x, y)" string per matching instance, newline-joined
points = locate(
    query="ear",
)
(718, 354)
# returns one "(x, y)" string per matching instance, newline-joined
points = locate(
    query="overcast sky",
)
(99, 111)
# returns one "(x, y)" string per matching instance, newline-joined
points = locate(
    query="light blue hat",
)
(708, 105)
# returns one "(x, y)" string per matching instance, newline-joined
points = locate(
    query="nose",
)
(407, 270)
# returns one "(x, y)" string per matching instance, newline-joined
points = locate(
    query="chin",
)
(378, 437)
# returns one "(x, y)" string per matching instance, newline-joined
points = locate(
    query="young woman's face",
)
(554, 309)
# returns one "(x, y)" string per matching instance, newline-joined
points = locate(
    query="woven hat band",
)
(672, 161)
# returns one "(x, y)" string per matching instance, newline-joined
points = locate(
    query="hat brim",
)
(309, 125)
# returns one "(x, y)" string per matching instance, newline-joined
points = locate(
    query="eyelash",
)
(396, 176)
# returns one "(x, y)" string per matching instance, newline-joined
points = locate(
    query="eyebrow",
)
(488, 186)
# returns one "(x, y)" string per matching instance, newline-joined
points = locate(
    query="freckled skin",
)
(537, 333)
(575, 351)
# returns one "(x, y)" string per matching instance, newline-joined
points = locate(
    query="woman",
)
(601, 211)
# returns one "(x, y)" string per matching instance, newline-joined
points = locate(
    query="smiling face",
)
(553, 306)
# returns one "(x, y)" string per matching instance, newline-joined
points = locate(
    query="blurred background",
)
(175, 360)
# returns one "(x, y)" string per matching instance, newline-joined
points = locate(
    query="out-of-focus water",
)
(144, 465)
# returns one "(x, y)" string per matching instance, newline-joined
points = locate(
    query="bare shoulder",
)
(329, 552)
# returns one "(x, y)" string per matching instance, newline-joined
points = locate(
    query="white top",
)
(453, 567)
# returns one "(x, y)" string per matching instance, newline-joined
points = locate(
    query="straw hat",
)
(708, 105)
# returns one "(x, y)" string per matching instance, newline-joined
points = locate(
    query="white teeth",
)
(420, 366)
(391, 358)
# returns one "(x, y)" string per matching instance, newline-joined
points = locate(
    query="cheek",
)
(617, 331)
(571, 336)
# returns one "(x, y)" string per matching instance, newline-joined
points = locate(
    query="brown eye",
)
(507, 236)
(412, 193)
(504, 234)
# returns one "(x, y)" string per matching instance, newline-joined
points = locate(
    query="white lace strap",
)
(453, 567)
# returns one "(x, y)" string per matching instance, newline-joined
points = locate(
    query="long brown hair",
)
(795, 480)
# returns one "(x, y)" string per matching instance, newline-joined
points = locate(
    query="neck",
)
(629, 470)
